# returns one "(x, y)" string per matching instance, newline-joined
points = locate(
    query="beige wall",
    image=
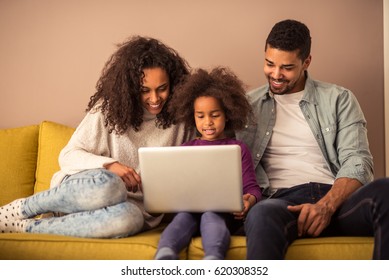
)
(52, 51)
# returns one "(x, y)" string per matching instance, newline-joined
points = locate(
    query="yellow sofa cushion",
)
(237, 250)
(321, 248)
(52, 138)
(29, 246)
(18, 150)
(332, 248)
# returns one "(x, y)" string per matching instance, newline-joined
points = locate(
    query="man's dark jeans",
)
(270, 227)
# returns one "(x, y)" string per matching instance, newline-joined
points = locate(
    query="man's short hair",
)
(290, 35)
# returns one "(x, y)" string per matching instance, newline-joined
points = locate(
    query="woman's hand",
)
(129, 176)
(248, 201)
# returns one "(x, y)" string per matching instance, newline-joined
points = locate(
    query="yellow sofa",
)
(29, 159)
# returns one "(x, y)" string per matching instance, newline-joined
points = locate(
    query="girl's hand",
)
(129, 176)
(248, 201)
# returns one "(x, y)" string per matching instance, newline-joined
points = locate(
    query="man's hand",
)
(129, 176)
(313, 218)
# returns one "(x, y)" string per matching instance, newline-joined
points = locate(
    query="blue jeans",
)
(94, 203)
(271, 228)
(213, 228)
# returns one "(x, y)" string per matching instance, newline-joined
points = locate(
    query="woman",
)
(97, 192)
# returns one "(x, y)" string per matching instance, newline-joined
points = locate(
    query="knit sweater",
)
(91, 146)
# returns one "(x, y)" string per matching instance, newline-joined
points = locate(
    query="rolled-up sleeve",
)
(352, 145)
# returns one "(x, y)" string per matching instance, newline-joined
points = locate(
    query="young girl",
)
(215, 103)
(97, 192)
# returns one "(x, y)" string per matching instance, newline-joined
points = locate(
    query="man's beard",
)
(287, 88)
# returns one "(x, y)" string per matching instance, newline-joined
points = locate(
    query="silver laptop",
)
(191, 178)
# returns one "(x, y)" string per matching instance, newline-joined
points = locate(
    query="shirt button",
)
(327, 129)
(258, 155)
(267, 132)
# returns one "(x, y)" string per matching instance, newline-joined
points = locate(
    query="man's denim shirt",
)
(335, 118)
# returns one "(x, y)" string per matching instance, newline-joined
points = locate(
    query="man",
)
(311, 155)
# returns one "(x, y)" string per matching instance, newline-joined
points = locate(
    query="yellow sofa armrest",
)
(18, 150)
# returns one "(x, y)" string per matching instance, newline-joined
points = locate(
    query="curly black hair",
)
(220, 83)
(290, 35)
(118, 89)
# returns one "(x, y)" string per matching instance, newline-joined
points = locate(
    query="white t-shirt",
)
(293, 155)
